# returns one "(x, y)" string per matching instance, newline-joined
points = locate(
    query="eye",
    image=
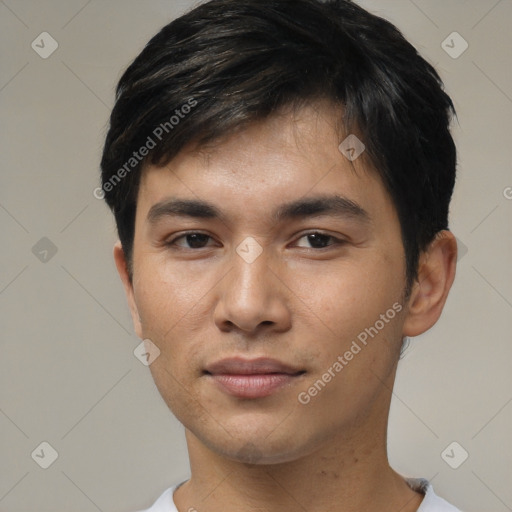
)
(192, 240)
(197, 240)
(318, 240)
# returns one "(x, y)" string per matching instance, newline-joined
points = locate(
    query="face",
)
(269, 271)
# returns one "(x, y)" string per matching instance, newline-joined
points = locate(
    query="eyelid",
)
(171, 241)
(336, 239)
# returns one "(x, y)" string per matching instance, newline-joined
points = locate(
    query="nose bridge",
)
(251, 293)
(251, 273)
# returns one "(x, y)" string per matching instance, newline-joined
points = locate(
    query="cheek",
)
(168, 297)
(339, 301)
(171, 305)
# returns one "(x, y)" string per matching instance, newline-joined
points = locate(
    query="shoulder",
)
(164, 503)
(431, 502)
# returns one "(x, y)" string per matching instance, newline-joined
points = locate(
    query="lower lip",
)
(253, 386)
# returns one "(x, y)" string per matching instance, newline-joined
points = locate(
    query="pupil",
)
(197, 241)
(318, 241)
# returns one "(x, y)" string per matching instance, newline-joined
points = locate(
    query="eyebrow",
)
(336, 206)
(183, 208)
(333, 205)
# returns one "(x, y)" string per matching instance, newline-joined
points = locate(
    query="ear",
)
(122, 268)
(436, 272)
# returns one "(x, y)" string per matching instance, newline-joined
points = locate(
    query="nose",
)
(252, 298)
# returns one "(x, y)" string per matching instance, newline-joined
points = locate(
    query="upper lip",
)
(241, 366)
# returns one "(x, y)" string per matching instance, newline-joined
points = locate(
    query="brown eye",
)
(191, 241)
(318, 241)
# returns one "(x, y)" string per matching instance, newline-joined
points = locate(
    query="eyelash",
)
(336, 241)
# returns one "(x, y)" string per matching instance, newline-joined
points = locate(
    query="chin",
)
(263, 448)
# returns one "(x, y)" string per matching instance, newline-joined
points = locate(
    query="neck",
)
(347, 474)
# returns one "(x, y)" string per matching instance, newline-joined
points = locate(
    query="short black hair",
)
(229, 63)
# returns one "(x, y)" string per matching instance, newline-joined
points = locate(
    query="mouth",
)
(256, 378)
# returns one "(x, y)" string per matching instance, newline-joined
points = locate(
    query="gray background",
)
(68, 375)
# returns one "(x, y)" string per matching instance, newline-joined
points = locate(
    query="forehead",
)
(291, 155)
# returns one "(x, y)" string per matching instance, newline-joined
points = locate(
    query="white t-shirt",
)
(431, 502)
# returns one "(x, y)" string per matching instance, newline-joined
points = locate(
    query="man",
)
(280, 174)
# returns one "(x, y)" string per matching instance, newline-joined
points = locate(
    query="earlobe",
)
(436, 272)
(122, 269)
